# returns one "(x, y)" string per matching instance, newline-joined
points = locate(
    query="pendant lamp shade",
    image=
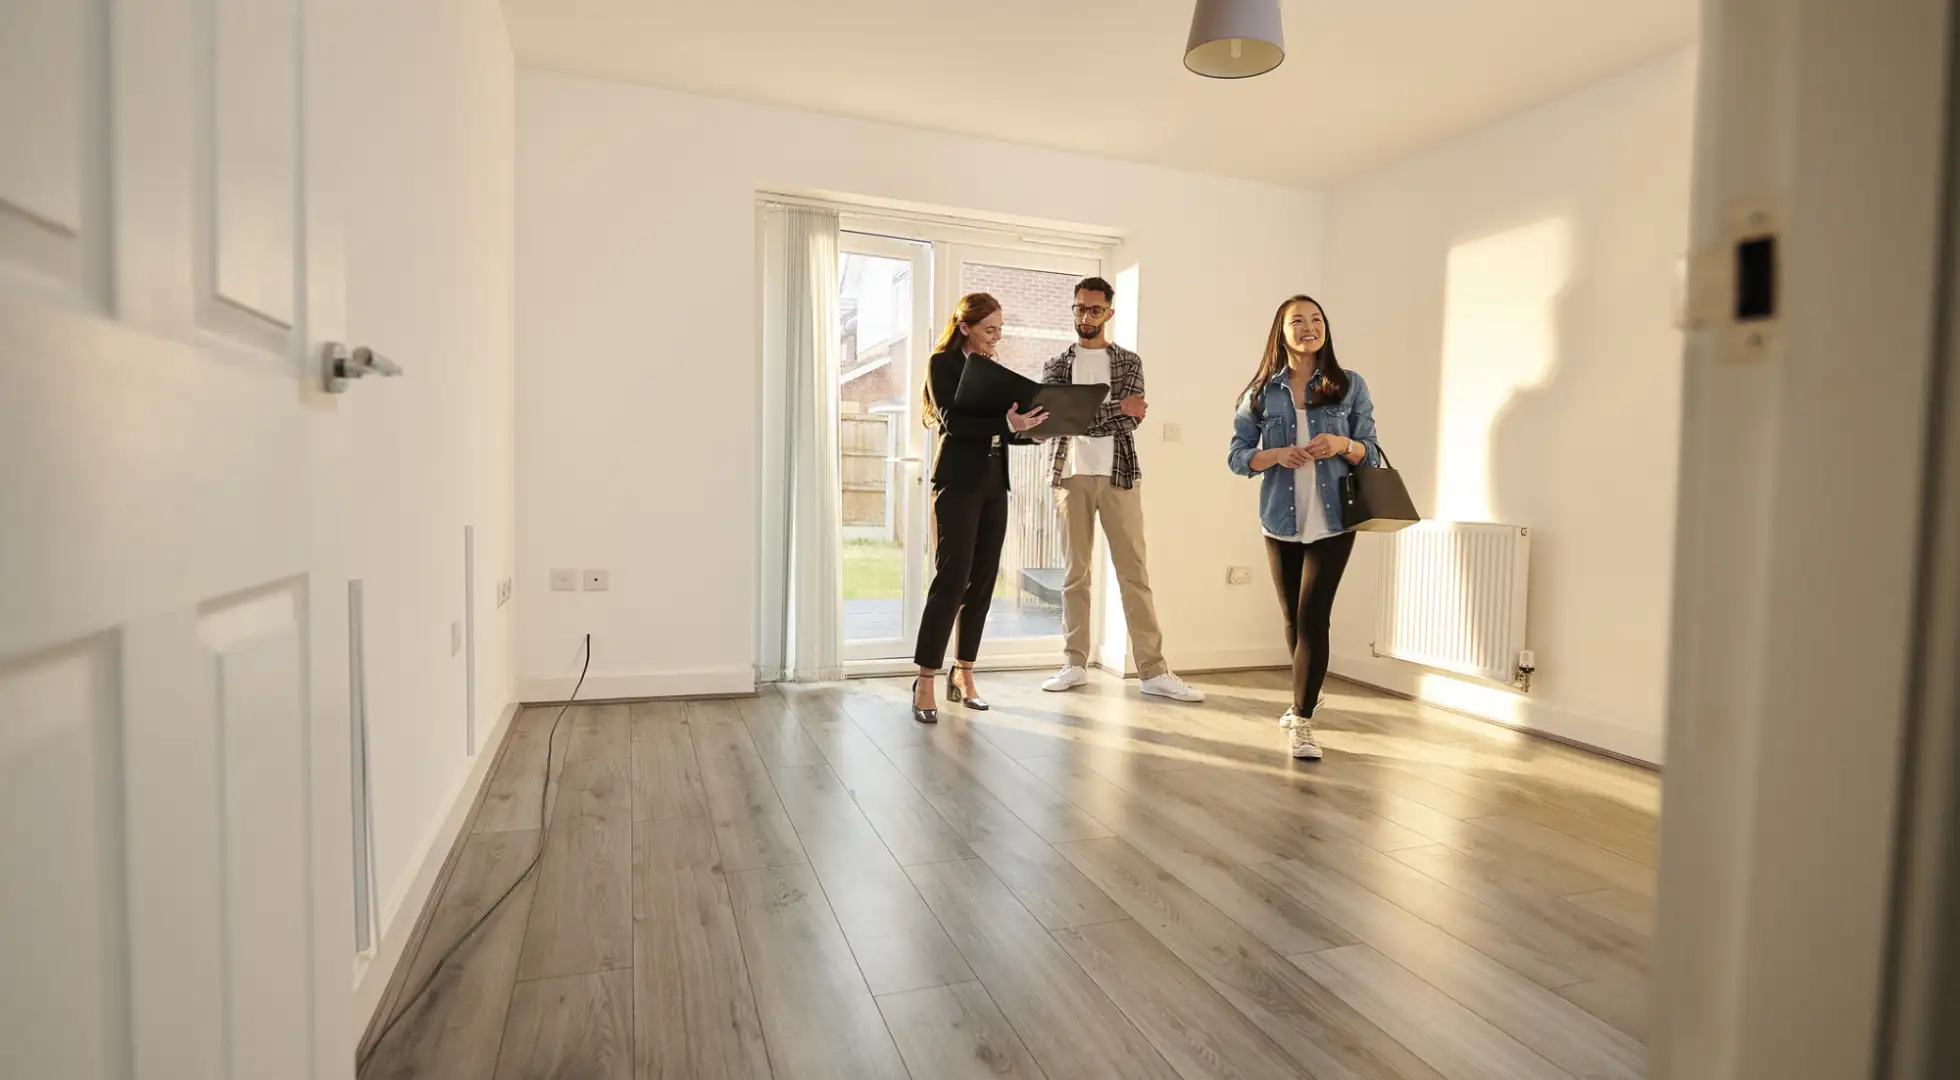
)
(1235, 39)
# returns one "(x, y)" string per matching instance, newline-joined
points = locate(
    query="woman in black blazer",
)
(969, 506)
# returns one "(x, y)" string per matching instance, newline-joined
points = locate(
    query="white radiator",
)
(1453, 598)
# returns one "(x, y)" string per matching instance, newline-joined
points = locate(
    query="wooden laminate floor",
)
(808, 884)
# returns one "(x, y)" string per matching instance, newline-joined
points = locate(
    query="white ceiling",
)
(1364, 82)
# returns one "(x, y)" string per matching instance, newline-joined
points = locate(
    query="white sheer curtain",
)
(802, 558)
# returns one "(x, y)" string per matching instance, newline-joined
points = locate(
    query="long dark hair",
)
(1333, 382)
(972, 308)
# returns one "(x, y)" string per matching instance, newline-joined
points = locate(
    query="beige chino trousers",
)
(1080, 501)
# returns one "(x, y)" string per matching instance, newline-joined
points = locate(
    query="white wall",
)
(1509, 297)
(638, 373)
(429, 249)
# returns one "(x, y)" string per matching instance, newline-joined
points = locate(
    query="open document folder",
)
(987, 389)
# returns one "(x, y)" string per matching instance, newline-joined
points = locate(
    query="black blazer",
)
(965, 440)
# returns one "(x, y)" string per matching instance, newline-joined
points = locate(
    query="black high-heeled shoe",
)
(923, 716)
(958, 696)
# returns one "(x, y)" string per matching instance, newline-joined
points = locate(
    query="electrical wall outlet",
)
(1238, 575)
(598, 580)
(564, 580)
(503, 592)
(1173, 432)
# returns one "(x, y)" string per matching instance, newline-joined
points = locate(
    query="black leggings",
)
(1306, 576)
(969, 528)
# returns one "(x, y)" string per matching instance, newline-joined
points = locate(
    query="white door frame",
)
(1797, 586)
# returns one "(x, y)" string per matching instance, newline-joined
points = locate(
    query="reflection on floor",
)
(806, 883)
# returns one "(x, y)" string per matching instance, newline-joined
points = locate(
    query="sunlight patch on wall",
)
(1500, 337)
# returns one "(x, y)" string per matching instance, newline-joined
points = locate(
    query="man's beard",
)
(1087, 332)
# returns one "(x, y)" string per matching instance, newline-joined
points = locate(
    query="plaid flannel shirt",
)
(1125, 380)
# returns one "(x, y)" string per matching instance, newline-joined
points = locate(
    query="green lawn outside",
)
(873, 570)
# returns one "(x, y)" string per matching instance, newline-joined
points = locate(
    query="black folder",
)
(988, 388)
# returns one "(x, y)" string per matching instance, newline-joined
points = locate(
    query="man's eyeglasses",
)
(1093, 311)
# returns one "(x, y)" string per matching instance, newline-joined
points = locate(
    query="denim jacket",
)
(1353, 416)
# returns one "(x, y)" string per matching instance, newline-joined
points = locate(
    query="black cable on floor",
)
(537, 857)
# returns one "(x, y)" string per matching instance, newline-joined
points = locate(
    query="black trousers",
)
(968, 528)
(1307, 576)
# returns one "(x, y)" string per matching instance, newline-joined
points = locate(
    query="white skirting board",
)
(1499, 706)
(373, 970)
(1200, 661)
(1244, 658)
(678, 684)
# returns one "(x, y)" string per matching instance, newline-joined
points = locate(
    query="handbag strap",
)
(1386, 464)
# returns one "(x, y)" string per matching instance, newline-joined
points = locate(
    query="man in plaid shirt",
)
(1096, 475)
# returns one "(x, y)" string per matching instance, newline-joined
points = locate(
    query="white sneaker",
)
(1299, 738)
(1068, 678)
(1168, 685)
(1286, 718)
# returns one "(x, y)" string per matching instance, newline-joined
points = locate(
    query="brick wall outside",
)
(1031, 299)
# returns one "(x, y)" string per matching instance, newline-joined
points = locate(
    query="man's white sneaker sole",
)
(1186, 693)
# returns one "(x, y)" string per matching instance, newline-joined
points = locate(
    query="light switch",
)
(564, 580)
(1173, 433)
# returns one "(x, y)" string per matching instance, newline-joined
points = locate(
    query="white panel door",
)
(173, 804)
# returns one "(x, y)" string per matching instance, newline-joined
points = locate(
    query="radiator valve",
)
(1527, 663)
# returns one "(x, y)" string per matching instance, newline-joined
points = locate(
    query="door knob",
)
(344, 364)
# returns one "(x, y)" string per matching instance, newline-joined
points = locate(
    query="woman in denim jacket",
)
(1304, 423)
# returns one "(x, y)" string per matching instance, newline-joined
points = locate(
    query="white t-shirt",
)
(1090, 456)
(1310, 517)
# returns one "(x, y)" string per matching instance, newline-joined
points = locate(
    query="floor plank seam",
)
(588, 972)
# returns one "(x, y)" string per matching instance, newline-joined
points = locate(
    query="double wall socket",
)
(1238, 575)
(573, 580)
(503, 592)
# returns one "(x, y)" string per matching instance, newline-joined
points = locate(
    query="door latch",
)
(344, 364)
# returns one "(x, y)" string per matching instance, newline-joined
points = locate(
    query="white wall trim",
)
(373, 970)
(1498, 705)
(667, 684)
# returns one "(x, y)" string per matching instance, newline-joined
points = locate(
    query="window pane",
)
(1035, 309)
(874, 329)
